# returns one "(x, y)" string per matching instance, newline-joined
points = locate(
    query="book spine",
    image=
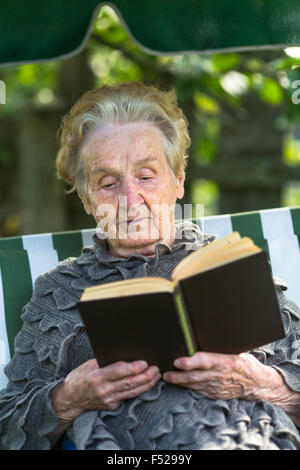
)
(183, 316)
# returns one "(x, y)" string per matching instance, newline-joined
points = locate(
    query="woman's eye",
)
(145, 178)
(108, 186)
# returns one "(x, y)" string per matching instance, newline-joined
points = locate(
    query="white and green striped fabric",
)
(22, 259)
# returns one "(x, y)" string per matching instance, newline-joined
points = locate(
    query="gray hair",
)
(128, 102)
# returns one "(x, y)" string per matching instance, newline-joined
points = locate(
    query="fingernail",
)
(177, 363)
(143, 364)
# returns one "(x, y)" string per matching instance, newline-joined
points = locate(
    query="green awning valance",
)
(35, 30)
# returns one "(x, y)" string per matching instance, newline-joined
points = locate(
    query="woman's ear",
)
(180, 186)
(85, 202)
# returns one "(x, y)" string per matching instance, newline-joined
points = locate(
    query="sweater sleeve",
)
(284, 355)
(37, 366)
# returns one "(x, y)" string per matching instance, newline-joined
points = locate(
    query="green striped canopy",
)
(35, 30)
(22, 259)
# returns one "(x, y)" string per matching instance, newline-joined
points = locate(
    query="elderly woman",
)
(124, 148)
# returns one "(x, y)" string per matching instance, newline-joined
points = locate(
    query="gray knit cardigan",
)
(53, 341)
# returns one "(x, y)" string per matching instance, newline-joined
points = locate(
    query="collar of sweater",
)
(187, 235)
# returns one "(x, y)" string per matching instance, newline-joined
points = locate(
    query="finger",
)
(134, 392)
(199, 384)
(113, 405)
(200, 360)
(134, 381)
(118, 370)
(214, 392)
(183, 378)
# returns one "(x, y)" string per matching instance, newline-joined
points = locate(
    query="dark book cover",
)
(230, 309)
(139, 327)
(234, 308)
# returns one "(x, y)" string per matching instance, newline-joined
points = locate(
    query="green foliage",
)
(225, 62)
(5, 157)
(206, 103)
(206, 150)
(291, 194)
(291, 150)
(111, 67)
(270, 91)
(206, 144)
(205, 192)
(24, 83)
(209, 87)
(107, 25)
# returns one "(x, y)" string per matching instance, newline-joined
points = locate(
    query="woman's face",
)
(131, 192)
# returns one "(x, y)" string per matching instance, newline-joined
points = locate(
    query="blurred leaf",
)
(115, 34)
(254, 64)
(270, 91)
(291, 194)
(224, 62)
(213, 85)
(207, 193)
(26, 75)
(291, 150)
(206, 150)
(206, 103)
(11, 225)
(285, 63)
(112, 67)
(107, 24)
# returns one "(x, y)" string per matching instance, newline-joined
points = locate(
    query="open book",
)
(221, 298)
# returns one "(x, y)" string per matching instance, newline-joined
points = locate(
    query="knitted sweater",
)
(53, 341)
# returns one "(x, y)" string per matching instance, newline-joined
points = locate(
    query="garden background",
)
(242, 110)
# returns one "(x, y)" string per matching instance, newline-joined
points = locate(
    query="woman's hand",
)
(226, 376)
(89, 387)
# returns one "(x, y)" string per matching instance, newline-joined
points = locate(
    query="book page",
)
(239, 254)
(220, 255)
(220, 243)
(128, 287)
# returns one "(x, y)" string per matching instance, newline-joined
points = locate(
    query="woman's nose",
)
(131, 194)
